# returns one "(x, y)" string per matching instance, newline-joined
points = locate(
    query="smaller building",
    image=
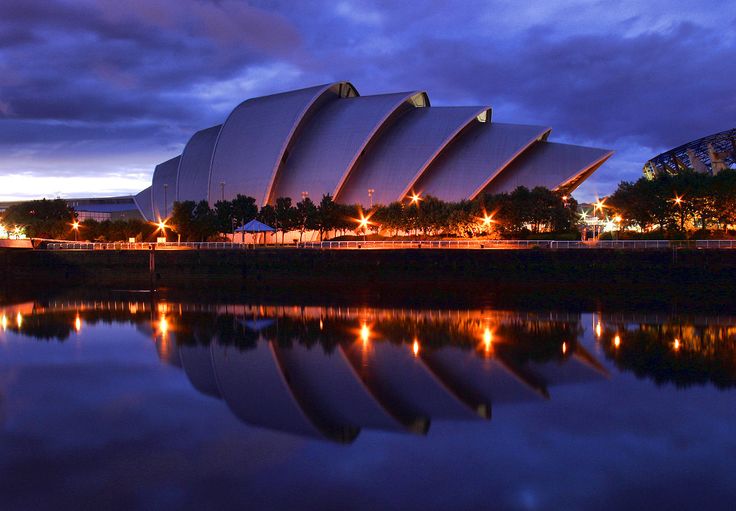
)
(708, 155)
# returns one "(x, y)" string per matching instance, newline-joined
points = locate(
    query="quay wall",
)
(684, 267)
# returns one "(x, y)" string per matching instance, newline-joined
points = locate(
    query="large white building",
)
(362, 149)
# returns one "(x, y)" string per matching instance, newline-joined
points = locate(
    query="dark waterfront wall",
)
(346, 266)
(573, 278)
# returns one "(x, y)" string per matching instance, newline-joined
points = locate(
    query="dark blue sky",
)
(93, 94)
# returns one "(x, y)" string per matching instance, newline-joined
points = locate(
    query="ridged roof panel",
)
(254, 139)
(403, 152)
(144, 203)
(164, 188)
(194, 168)
(330, 142)
(548, 164)
(467, 165)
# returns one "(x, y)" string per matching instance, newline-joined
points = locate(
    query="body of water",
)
(136, 402)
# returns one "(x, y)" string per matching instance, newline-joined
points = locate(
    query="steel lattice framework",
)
(709, 154)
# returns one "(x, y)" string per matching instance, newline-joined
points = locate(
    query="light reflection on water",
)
(345, 375)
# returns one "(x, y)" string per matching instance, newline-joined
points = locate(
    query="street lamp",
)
(371, 191)
(415, 198)
(75, 228)
(162, 227)
(363, 224)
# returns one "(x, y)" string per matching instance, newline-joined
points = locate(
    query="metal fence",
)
(439, 244)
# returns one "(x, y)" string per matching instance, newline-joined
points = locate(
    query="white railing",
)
(209, 245)
(411, 244)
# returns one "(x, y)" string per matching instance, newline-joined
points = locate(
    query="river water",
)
(134, 401)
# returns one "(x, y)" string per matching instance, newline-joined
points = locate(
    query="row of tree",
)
(686, 201)
(520, 213)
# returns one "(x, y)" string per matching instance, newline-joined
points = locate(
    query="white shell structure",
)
(372, 149)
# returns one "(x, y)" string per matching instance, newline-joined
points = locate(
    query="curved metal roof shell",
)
(193, 179)
(144, 203)
(554, 166)
(163, 188)
(332, 139)
(254, 139)
(243, 375)
(480, 154)
(403, 152)
(196, 361)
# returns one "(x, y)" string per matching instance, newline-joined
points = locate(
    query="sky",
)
(95, 93)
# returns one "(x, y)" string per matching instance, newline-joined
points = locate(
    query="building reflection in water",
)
(329, 372)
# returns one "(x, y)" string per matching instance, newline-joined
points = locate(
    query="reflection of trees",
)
(46, 327)
(537, 341)
(701, 355)
(516, 339)
(202, 328)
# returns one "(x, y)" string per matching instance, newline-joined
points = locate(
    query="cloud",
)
(638, 79)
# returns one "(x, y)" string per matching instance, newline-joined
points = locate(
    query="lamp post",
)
(75, 228)
(371, 191)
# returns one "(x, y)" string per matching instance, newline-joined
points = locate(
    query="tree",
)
(225, 217)
(306, 216)
(204, 221)
(285, 217)
(182, 216)
(42, 218)
(245, 209)
(326, 215)
(267, 215)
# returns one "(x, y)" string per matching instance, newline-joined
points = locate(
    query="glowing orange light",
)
(77, 323)
(4, 322)
(487, 220)
(676, 344)
(321, 325)
(415, 198)
(599, 205)
(363, 222)
(19, 320)
(617, 218)
(564, 348)
(365, 334)
(415, 347)
(678, 199)
(598, 329)
(162, 226)
(75, 225)
(617, 341)
(163, 325)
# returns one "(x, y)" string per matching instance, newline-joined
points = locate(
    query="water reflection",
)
(330, 372)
